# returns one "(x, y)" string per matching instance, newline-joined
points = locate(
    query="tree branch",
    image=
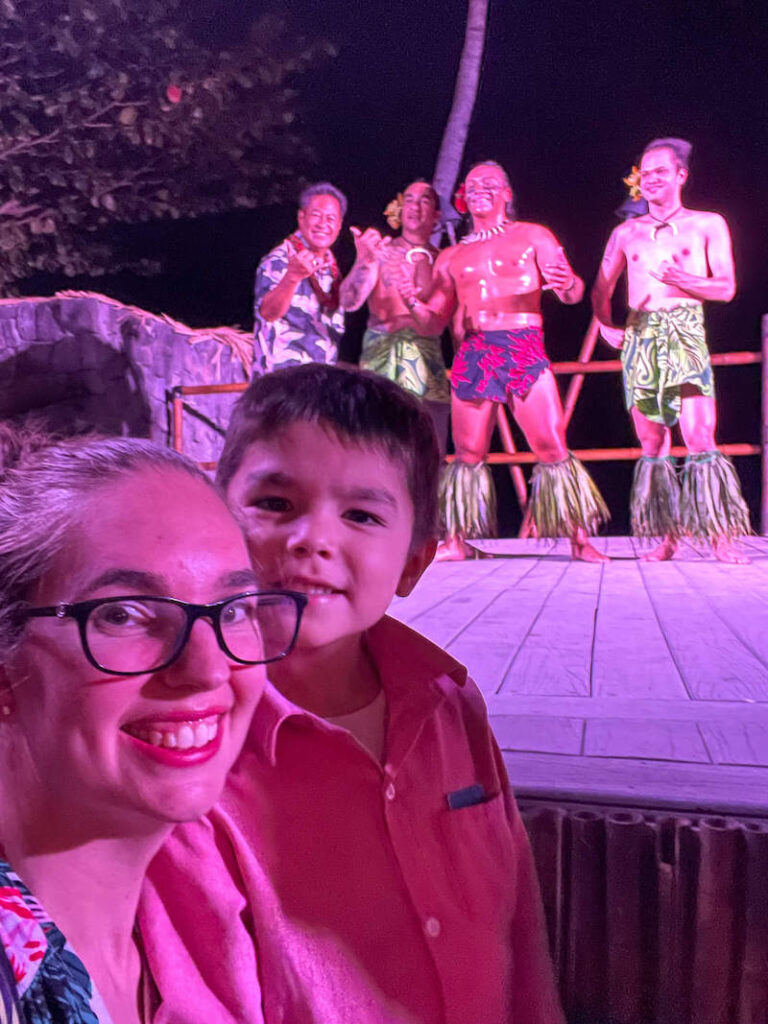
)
(89, 123)
(467, 79)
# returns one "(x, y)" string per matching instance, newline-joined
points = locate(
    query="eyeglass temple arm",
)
(57, 610)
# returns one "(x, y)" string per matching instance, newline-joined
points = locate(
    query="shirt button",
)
(432, 927)
(389, 792)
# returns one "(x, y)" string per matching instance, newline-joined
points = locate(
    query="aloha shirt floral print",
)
(307, 333)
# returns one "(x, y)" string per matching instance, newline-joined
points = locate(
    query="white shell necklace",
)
(662, 223)
(484, 234)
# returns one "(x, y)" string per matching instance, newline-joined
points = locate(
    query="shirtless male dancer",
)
(393, 345)
(489, 286)
(674, 259)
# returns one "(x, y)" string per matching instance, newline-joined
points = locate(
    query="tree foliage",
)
(112, 112)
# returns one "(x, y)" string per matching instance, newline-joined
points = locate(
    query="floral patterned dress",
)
(41, 979)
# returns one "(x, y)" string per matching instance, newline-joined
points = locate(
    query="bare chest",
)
(679, 244)
(505, 264)
(401, 263)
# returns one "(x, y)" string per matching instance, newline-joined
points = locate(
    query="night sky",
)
(570, 93)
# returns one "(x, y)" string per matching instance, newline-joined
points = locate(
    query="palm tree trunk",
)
(455, 134)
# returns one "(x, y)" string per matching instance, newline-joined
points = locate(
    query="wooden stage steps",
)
(629, 682)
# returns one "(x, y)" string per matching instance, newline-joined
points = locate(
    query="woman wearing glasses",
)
(132, 640)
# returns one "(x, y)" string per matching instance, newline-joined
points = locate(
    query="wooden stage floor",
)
(628, 682)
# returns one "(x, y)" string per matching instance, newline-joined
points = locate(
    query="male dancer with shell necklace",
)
(393, 345)
(674, 259)
(489, 287)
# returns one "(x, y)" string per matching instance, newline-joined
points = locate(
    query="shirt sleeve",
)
(269, 273)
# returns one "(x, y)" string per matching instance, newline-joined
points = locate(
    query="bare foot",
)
(663, 552)
(456, 549)
(453, 549)
(583, 551)
(724, 551)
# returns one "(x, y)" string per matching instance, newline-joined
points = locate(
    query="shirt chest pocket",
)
(480, 855)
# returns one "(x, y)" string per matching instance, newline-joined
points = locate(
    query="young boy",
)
(367, 844)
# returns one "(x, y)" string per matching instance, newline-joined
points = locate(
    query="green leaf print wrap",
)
(664, 349)
(410, 360)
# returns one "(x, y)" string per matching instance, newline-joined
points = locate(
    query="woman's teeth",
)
(178, 735)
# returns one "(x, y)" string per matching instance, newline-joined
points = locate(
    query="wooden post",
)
(177, 419)
(571, 397)
(508, 444)
(753, 981)
(764, 431)
(585, 975)
(574, 387)
(677, 858)
(546, 829)
(629, 891)
(716, 934)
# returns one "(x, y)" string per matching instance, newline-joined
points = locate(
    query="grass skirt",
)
(467, 500)
(711, 503)
(564, 499)
(655, 500)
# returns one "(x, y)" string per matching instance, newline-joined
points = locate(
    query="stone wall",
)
(81, 361)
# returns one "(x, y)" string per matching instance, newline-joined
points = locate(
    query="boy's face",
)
(333, 520)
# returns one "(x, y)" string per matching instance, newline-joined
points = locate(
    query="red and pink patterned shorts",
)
(494, 365)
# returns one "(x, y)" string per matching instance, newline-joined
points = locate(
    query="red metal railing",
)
(577, 370)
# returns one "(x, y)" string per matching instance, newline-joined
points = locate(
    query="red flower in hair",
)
(459, 199)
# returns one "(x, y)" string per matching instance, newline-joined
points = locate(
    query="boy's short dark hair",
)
(359, 406)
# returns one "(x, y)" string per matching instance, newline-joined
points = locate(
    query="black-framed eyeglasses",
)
(136, 634)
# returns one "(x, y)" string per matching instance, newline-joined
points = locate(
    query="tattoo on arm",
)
(357, 285)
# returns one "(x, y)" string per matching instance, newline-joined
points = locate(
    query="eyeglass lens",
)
(139, 635)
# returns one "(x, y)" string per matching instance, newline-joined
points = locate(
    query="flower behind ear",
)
(460, 199)
(632, 181)
(394, 211)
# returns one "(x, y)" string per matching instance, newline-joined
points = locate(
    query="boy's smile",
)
(332, 519)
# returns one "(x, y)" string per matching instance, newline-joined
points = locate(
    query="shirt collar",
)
(272, 710)
(416, 677)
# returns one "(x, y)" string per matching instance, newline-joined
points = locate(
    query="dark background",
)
(570, 93)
